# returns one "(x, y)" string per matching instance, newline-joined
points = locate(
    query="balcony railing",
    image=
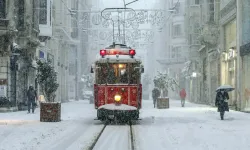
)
(172, 61)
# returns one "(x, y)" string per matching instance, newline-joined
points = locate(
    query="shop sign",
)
(41, 54)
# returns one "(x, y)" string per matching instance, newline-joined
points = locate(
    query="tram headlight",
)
(118, 98)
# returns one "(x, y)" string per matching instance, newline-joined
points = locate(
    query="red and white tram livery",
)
(117, 87)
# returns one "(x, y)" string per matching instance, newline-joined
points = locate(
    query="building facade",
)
(203, 73)
(193, 69)
(175, 45)
(243, 47)
(58, 39)
(19, 29)
(228, 46)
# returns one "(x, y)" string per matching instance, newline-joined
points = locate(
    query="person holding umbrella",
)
(221, 100)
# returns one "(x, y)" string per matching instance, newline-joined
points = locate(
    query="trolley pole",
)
(124, 22)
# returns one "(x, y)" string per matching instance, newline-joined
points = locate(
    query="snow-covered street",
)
(192, 127)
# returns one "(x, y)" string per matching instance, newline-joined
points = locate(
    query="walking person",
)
(155, 94)
(221, 102)
(32, 97)
(183, 95)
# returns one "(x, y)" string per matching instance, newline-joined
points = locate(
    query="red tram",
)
(117, 86)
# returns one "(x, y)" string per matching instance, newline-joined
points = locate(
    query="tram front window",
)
(122, 73)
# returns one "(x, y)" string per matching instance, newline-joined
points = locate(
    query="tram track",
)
(105, 137)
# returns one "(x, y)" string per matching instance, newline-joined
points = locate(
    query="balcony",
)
(45, 18)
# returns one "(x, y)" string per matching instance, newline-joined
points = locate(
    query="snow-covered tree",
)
(47, 79)
(164, 82)
(187, 69)
(146, 80)
(88, 80)
(209, 34)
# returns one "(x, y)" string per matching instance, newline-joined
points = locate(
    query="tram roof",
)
(124, 58)
(119, 59)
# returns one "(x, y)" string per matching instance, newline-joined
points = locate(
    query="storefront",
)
(3, 77)
(245, 54)
(229, 59)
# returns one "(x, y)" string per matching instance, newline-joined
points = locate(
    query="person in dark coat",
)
(155, 94)
(32, 96)
(221, 101)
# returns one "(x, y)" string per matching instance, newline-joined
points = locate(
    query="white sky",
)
(141, 4)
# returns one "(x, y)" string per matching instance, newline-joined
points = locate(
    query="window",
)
(211, 10)
(177, 30)
(43, 12)
(2, 9)
(74, 33)
(117, 73)
(197, 2)
(196, 28)
(177, 8)
(72, 69)
(20, 23)
(35, 14)
(176, 52)
(194, 39)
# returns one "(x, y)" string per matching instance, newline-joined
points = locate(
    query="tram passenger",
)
(124, 76)
(111, 76)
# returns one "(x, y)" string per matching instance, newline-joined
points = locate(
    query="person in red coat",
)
(183, 95)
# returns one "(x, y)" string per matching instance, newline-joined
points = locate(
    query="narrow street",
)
(192, 127)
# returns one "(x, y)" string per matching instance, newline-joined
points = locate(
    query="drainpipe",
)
(239, 60)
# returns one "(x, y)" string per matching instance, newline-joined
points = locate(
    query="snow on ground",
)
(114, 138)
(194, 127)
(22, 131)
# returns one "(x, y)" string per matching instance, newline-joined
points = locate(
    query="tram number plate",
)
(111, 116)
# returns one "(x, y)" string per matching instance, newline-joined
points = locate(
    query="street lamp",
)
(194, 74)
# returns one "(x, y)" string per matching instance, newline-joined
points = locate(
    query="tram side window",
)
(101, 74)
(134, 74)
(106, 74)
(111, 76)
(118, 73)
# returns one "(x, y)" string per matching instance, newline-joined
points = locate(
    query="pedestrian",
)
(221, 102)
(32, 97)
(155, 94)
(183, 95)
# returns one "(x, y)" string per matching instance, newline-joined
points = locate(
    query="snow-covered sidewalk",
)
(194, 127)
(22, 131)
